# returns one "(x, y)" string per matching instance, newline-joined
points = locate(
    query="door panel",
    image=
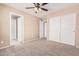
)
(13, 29)
(68, 29)
(21, 29)
(45, 30)
(54, 29)
(41, 29)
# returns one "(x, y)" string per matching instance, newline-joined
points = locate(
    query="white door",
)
(54, 29)
(45, 30)
(13, 29)
(21, 29)
(68, 29)
(41, 29)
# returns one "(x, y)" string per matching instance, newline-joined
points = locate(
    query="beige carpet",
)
(40, 48)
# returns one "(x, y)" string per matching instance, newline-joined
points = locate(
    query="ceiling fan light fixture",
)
(40, 9)
(37, 9)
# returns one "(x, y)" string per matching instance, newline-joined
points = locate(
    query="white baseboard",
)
(4, 47)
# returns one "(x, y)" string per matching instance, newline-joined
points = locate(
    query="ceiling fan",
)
(38, 7)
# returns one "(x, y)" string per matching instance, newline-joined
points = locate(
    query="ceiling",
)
(52, 7)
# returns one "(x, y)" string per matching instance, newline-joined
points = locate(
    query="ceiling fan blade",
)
(44, 9)
(29, 7)
(44, 4)
(34, 4)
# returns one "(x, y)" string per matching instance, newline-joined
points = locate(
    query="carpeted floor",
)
(41, 48)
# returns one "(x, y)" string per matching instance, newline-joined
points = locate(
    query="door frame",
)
(10, 14)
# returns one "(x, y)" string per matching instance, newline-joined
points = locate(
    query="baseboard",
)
(4, 47)
(43, 38)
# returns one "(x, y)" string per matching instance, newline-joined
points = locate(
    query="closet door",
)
(68, 29)
(54, 29)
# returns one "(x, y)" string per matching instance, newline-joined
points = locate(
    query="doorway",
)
(43, 29)
(16, 29)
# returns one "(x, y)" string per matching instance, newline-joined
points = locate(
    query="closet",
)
(62, 29)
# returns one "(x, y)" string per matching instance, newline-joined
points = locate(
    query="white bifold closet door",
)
(68, 29)
(62, 29)
(54, 29)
